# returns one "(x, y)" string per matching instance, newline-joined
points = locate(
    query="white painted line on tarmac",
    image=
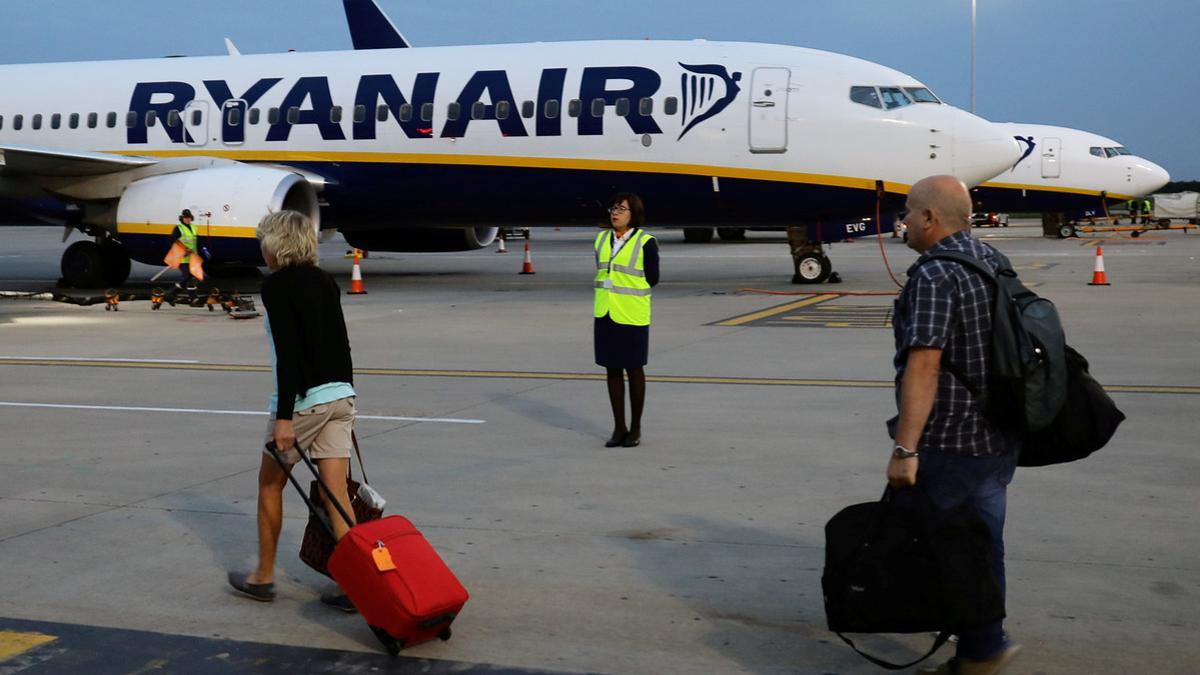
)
(93, 358)
(205, 411)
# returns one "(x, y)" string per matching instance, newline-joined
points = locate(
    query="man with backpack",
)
(943, 443)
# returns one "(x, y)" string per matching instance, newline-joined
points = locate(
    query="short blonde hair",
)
(289, 236)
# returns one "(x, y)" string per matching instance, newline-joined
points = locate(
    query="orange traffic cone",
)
(527, 267)
(356, 282)
(1098, 277)
(500, 247)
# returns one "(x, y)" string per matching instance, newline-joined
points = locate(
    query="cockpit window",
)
(1122, 151)
(893, 97)
(1096, 150)
(866, 96)
(921, 95)
(1110, 152)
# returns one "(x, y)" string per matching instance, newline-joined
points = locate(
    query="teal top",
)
(322, 393)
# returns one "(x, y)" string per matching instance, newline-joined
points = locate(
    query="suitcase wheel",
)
(445, 634)
(391, 644)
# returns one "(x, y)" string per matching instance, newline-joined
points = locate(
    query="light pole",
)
(972, 56)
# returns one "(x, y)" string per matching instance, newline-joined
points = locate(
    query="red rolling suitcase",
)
(393, 576)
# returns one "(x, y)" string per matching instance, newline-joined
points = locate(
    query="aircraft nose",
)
(982, 150)
(1149, 177)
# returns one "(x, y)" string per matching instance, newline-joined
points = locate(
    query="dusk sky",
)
(1126, 69)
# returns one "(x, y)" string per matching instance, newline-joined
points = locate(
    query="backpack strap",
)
(968, 260)
(985, 271)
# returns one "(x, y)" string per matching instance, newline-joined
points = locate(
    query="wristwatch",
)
(901, 452)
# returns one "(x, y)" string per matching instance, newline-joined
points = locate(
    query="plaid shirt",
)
(948, 306)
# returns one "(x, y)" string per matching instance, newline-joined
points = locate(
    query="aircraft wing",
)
(370, 28)
(18, 159)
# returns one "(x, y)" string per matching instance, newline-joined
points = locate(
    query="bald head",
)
(947, 197)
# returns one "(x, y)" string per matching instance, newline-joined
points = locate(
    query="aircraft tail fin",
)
(370, 28)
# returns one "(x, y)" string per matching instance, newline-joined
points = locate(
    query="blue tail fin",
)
(370, 28)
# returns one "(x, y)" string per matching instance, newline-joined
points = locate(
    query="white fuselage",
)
(789, 122)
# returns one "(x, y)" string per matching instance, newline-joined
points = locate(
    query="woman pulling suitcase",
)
(313, 402)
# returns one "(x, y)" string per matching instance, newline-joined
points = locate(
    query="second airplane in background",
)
(1067, 171)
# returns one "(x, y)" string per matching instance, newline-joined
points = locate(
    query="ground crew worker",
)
(626, 269)
(185, 234)
(1147, 209)
(1134, 206)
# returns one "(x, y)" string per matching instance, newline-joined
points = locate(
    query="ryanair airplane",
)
(433, 149)
(1069, 171)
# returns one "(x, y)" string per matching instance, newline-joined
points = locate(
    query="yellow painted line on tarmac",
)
(775, 311)
(539, 375)
(14, 643)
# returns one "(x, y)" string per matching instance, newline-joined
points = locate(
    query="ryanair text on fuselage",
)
(309, 101)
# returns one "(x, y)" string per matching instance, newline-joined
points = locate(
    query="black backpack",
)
(1037, 385)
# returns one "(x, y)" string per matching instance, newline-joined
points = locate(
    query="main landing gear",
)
(95, 264)
(811, 264)
(812, 268)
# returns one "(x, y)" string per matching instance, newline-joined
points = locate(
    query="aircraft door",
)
(1051, 157)
(195, 122)
(233, 122)
(768, 109)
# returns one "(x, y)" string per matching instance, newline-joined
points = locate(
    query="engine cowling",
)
(226, 202)
(422, 239)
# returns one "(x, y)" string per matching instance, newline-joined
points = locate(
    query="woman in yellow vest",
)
(626, 270)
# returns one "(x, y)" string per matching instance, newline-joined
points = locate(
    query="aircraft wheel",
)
(83, 265)
(813, 268)
(116, 263)
(1066, 231)
(731, 233)
(697, 235)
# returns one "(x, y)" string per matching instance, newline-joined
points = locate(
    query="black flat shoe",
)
(632, 439)
(617, 439)
(339, 601)
(260, 592)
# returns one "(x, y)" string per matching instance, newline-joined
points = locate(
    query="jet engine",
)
(226, 204)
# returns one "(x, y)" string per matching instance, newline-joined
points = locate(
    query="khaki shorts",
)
(324, 431)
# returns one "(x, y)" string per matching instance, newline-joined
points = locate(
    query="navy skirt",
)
(621, 346)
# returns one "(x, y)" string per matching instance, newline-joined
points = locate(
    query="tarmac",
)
(130, 441)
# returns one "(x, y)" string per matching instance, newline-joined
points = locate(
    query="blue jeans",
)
(982, 484)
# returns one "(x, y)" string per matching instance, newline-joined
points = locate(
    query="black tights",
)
(637, 397)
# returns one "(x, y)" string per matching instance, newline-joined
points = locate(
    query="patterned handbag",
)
(317, 545)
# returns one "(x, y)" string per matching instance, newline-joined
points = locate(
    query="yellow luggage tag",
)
(383, 558)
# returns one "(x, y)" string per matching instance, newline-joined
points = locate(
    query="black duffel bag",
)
(1087, 421)
(902, 566)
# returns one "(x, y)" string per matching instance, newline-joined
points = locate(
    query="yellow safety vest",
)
(187, 236)
(622, 291)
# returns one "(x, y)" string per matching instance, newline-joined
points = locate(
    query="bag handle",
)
(363, 467)
(319, 513)
(941, 639)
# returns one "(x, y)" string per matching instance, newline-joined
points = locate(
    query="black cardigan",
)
(304, 307)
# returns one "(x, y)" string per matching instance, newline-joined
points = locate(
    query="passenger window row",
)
(234, 114)
(891, 97)
(73, 121)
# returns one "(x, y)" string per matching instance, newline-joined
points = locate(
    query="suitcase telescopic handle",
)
(312, 508)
